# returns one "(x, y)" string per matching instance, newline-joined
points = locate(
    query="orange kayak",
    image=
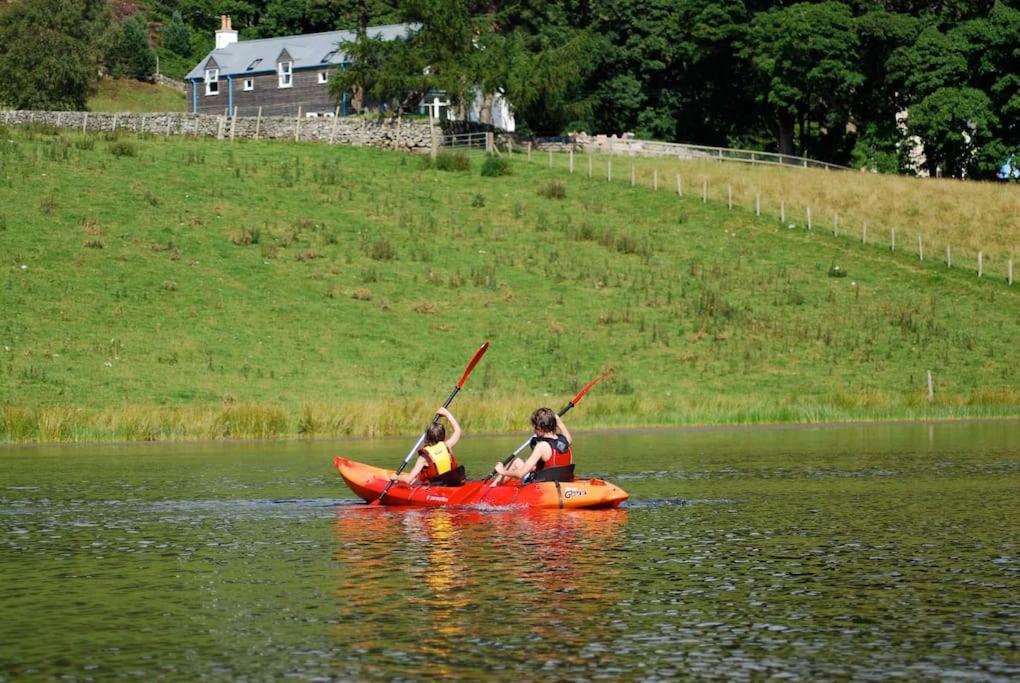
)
(367, 483)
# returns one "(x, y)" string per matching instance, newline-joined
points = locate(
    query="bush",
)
(554, 189)
(123, 148)
(382, 250)
(453, 161)
(495, 166)
(478, 201)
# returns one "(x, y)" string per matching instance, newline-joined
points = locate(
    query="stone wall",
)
(411, 134)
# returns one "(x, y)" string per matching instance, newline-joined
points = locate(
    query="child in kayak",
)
(435, 463)
(550, 447)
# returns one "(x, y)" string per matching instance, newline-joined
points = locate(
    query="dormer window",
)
(323, 77)
(254, 64)
(212, 81)
(329, 56)
(285, 73)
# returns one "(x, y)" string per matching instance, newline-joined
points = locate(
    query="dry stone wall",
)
(411, 135)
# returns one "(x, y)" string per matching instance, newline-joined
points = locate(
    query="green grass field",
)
(127, 95)
(167, 288)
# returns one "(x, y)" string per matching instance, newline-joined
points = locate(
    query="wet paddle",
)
(449, 399)
(566, 409)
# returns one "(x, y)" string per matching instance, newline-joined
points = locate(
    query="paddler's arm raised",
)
(451, 440)
(562, 429)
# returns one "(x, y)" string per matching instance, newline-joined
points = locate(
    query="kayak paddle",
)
(566, 409)
(449, 399)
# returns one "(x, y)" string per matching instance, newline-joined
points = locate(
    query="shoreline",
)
(618, 430)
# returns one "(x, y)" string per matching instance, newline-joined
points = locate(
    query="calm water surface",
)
(833, 553)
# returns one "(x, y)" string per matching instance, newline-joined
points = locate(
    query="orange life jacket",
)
(438, 461)
(561, 454)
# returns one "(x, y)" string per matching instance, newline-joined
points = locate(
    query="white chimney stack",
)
(226, 35)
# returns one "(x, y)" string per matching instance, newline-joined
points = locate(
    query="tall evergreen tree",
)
(131, 54)
(177, 36)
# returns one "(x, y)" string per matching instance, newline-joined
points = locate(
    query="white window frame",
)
(212, 81)
(311, 114)
(285, 74)
(323, 77)
(249, 84)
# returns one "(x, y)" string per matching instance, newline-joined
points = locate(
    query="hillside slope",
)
(166, 288)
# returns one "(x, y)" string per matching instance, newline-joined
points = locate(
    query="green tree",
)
(956, 126)
(177, 36)
(131, 54)
(50, 52)
(804, 58)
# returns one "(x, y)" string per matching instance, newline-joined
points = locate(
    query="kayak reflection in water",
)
(550, 451)
(435, 463)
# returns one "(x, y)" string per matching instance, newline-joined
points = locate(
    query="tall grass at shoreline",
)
(370, 419)
(188, 289)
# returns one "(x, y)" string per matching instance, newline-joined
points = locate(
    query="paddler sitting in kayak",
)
(550, 449)
(435, 463)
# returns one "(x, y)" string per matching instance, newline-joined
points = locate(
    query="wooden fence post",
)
(809, 218)
(571, 160)
(704, 191)
(85, 123)
(931, 388)
(589, 165)
(297, 125)
(981, 264)
(233, 124)
(920, 248)
(757, 204)
(609, 169)
(782, 212)
(258, 123)
(949, 256)
(114, 123)
(332, 128)
(892, 239)
(59, 113)
(632, 176)
(679, 186)
(1009, 272)
(835, 224)
(169, 121)
(864, 232)
(655, 179)
(550, 158)
(529, 150)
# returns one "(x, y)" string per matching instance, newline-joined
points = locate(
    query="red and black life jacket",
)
(561, 455)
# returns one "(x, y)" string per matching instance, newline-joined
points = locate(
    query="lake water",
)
(842, 552)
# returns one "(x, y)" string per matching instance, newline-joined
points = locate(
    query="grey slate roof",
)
(309, 50)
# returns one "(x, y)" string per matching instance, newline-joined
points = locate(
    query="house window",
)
(254, 64)
(323, 77)
(249, 84)
(212, 81)
(286, 75)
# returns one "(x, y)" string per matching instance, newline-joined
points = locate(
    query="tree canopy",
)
(846, 81)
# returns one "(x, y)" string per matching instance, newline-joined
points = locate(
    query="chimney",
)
(226, 35)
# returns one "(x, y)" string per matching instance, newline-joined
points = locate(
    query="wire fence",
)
(652, 148)
(939, 252)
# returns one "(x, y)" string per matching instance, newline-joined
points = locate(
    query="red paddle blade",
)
(582, 392)
(474, 361)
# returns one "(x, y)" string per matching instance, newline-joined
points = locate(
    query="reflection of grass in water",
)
(264, 289)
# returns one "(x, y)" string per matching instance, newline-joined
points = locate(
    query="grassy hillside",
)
(166, 288)
(969, 216)
(128, 95)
